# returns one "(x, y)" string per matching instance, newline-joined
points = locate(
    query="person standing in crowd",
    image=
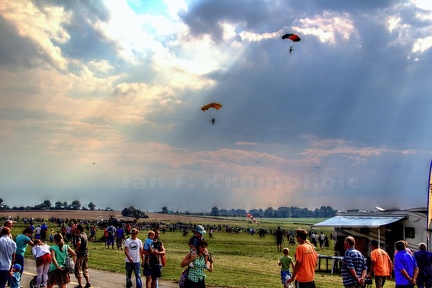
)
(306, 261)
(81, 250)
(58, 274)
(279, 238)
(7, 255)
(22, 241)
(405, 267)
(196, 275)
(353, 265)
(285, 262)
(424, 262)
(157, 259)
(93, 230)
(111, 230)
(38, 232)
(42, 255)
(120, 236)
(381, 265)
(148, 251)
(321, 239)
(44, 232)
(313, 238)
(133, 249)
(198, 235)
(8, 223)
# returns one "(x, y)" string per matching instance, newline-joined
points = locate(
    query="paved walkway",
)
(98, 278)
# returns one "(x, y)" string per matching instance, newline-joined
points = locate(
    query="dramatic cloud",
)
(100, 101)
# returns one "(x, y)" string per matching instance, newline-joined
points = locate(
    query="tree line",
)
(47, 205)
(281, 212)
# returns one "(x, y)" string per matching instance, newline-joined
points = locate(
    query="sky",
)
(100, 101)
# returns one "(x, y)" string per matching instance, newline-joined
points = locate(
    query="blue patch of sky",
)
(148, 7)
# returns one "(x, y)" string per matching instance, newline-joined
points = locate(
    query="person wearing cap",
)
(381, 265)
(193, 241)
(133, 249)
(7, 255)
(424, 262)
(15, 279)
(196, 273)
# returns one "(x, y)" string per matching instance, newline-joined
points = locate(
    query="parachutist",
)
(293, 37)
(213, 105)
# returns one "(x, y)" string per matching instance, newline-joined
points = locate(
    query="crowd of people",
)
(51, 261)
(409, 269)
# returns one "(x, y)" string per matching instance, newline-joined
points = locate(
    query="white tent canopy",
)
(359, 221)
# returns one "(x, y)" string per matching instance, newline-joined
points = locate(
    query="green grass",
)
(241, 260)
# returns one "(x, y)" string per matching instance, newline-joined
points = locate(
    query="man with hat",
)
(381, 265)
(133, 249)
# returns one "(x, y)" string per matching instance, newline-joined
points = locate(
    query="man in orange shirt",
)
(306, 261)
(381, 265)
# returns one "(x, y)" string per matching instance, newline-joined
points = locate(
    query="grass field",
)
(241, 260)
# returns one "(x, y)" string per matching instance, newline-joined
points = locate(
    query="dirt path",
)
(98, 278)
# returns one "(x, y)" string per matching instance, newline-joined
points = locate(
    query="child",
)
(285, 261)
(148, 246)
(193, 241)
(15, 276)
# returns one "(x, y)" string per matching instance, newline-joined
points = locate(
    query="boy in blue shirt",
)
(15, 279)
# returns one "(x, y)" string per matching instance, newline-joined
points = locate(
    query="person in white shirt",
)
(7, 255)
(42, 255)
(133, 249)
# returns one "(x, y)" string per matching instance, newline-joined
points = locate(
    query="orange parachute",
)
(214, 105)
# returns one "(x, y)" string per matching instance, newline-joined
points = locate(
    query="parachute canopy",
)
(292, 37)
(214, 105)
